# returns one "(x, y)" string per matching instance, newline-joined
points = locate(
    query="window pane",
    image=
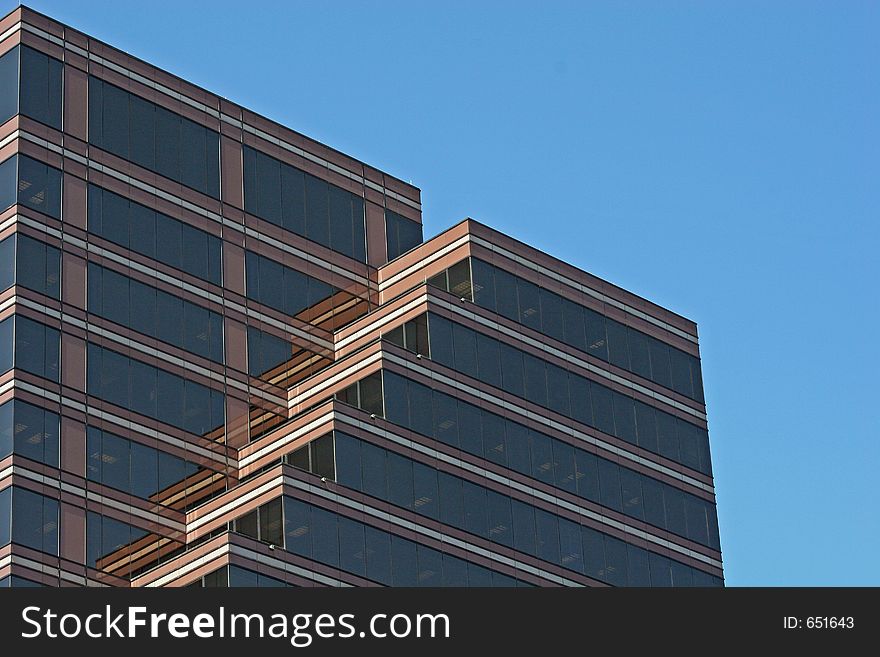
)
(631, 492)
(446, 428)
(518, 456)
(460, 280)
(548, 536)
(624, 418)
(167, 142)
(646, 426)
(451, 504)
(425, 492)
(535, 379)
(193, 163)
(564, 470)
(476, 518)
(440, 330)
(7, 256)
(681, 372)
(323, 460)
(374, 470)
(506, 295)
(660, 369)
(39, 186)
(143, 132)
(512, 373)
(400, 480)
(500, 519)
(293, 199)
(378, 553)
(465, 345)
(404, 562)
(396, 403)
(341, 235)
(573, 324)
(483, 284)
(271, 528)
(352, 549)
(325, 536)
(609, 485)
(297, 527)
(587, 475)
(144, 471)
(618, 351)
(494, 447)
(603, 413)
(7, 347)
(594, 325)
(317, 210)
(9, 87)
(41, 87)
(542, 457)
(638, 353)
(529, 304)
(524, 536)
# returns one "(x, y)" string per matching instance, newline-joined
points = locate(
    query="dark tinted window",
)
(283, 288)
(155, 235)
(484, 434)
(266, 351)
(32, 184)
(303, 204)
(524, 302)
(8, 182)
(9, 85)
(39, 96)
(29, 431)
(135, 468)
(107, 540)
(41, 87)
(153, 137)
(401, 234)
(155, 313)
(34, 520)
(550, 386)
(38, 266)
(36, 348)
(191, 406)
(378, 555)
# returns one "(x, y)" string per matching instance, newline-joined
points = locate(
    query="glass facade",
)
(501, 365)
(31, 84)
(134, 385)
(155, 313)
(548, 460)
(283, 288)
(484, 512)
(29, 346)
(266, 351)
(29, 519)
(303, 204)
(30, 263)
(236, 576)
(32, 184)
(361, 549)
(580, 327)
(143, 471)
(155, 235)
(401, 234)
(29, 431)
(154, 138)
(463, 492)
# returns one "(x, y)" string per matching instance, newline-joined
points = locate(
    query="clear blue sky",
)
(719, 158)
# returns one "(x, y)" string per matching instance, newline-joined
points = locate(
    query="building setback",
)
(227, 357)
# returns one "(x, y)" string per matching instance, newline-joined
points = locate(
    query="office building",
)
(227, 357)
